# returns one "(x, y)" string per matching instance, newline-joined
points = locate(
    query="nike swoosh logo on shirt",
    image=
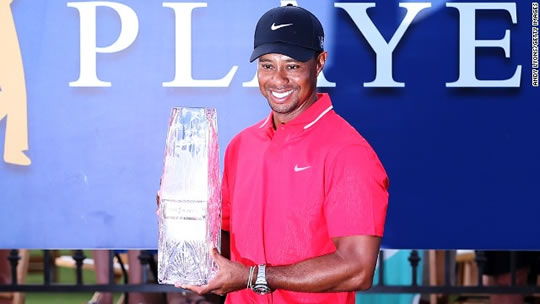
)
(277, 27)
(298, 169)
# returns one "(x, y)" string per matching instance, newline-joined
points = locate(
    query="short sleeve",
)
(356, 189)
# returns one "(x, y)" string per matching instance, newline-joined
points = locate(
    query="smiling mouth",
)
(281, 95)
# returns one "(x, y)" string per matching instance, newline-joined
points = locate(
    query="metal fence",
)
(147, 261)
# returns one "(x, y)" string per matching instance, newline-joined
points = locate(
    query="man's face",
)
(288, 85)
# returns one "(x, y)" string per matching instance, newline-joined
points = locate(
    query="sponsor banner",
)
(445, 91)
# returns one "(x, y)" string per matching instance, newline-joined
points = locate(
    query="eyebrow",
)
(286, 60)
(292, 60)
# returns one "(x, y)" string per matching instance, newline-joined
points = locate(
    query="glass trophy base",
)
(190, 199)
(183, 252)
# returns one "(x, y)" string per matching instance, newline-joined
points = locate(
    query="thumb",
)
(214, 254)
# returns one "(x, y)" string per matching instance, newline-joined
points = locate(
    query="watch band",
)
(261, 275)
(261, 285)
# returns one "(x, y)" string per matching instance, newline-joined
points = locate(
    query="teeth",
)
(281, 95)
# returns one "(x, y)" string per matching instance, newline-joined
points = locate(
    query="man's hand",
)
(231, 276)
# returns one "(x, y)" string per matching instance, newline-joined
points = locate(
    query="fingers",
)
(212, 286)
(200, 290)
(178, 285)
(157, 202)
(227, 279)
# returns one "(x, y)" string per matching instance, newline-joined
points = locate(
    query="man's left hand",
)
(231, 276)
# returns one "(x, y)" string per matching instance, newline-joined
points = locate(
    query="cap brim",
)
(296, 52)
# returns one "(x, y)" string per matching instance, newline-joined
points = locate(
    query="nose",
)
(280, 77)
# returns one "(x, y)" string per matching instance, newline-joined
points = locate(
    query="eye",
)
(293, 66)
(266, 66)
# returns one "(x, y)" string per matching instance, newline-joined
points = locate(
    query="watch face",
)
(261, 289)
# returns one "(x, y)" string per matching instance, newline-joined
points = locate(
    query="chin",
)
(282, 108)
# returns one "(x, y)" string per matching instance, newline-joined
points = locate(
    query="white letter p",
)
(89, 49)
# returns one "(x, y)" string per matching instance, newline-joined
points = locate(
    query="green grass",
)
(58, 298)
(65, 276)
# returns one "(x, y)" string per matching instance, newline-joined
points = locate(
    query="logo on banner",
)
(12, 90)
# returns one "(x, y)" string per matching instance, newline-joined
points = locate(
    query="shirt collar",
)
(309, 117)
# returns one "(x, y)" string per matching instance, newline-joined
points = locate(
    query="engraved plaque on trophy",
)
(190, 201)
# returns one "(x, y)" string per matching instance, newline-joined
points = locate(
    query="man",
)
(304, 195)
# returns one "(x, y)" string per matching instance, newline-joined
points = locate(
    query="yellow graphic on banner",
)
(12, 90)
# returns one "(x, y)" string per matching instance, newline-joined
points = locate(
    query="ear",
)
(321, 59)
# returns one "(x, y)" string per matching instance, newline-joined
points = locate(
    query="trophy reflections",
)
(190, 198)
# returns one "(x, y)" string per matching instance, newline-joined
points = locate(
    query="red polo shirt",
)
(287, 192)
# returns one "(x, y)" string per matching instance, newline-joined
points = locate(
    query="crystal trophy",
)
(190, 198)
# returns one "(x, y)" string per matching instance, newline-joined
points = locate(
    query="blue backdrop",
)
(463, 163)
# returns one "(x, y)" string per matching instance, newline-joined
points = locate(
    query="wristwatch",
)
(261, 286)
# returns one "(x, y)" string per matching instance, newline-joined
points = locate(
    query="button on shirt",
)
(287, 192)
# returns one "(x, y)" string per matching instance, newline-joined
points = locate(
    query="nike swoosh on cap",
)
(277, 27)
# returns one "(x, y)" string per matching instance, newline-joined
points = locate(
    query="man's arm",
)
(349, 268)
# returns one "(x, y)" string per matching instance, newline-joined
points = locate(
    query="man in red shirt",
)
(304, 195)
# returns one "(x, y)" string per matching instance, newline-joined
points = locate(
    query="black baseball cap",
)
(288, 30)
